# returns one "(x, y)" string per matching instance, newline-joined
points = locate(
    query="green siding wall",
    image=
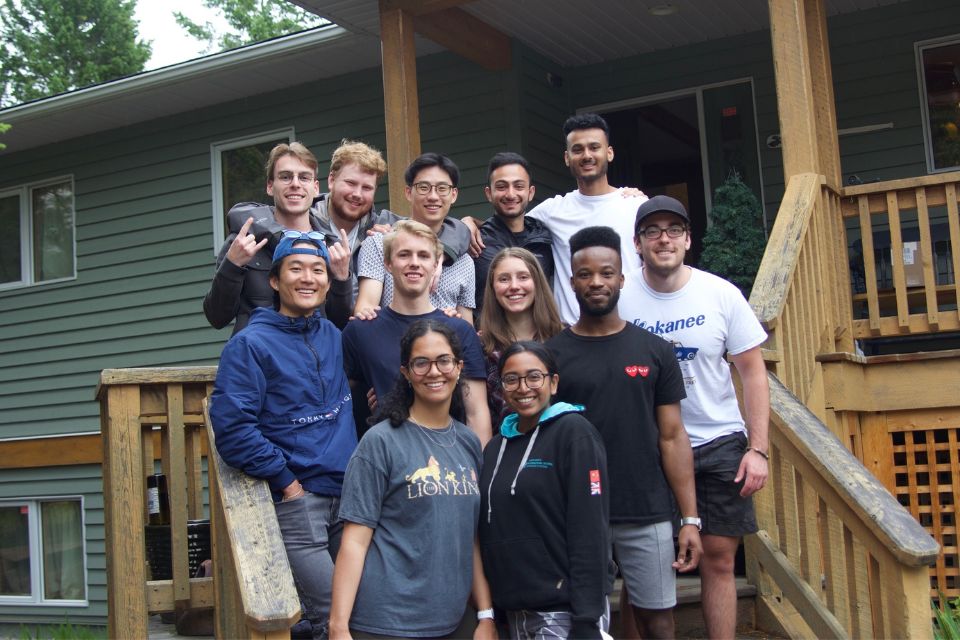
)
(144, 230)
(85, 481)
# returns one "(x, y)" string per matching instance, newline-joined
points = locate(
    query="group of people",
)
(501, 415)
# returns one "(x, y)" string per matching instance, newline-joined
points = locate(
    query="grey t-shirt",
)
(417, 489)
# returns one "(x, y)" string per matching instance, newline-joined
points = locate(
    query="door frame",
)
(697, 92)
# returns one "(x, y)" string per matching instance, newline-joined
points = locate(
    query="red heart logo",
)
(631, 371)
(643, 371)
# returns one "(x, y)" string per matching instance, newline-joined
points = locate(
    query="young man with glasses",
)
(241, 282)
(631, 386)
(431, 189)
(371, 348)
(282, 412)
(706, 318)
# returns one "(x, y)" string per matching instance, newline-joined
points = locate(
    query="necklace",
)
(437, 436)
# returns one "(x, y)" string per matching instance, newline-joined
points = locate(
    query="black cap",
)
(659, 204)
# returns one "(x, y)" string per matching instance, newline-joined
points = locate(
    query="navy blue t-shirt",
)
(371, 348)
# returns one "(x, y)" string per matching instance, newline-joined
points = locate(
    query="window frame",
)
(27, 250)
(216, 173)
(919, 48)
(35, 537)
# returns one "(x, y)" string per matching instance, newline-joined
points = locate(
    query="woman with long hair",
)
(544, 507)
(518, 305)
(410, 503)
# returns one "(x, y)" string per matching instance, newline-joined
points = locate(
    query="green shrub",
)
(733, 245)
(63, 631)
(946, 619)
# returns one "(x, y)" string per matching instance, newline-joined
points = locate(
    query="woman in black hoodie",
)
(544, 507)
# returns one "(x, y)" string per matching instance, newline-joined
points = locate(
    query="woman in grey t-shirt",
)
(410, 505)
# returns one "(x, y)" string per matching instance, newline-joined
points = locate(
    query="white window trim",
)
(216, 173)
(36, 568)
(26, 226)
(919, 48)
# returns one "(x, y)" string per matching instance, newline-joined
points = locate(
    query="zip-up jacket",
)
(281, 407)
(544, 515)
(236, 291)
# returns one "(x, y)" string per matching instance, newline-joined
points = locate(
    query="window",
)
(42, 552)
(939, 65)
(238, 174)
(38, 243)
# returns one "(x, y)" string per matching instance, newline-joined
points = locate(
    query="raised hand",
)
(244, 246)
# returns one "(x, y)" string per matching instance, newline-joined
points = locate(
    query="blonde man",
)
(371, 348)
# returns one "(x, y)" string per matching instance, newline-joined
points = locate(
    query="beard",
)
(587, 308)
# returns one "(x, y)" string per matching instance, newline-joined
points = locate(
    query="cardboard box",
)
(912, 264)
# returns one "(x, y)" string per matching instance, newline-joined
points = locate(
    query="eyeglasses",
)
(654, 232)
(286, 177)
(422, 366)
(423, 188)
(534, 379)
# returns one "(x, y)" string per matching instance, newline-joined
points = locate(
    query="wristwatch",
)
(691, 520)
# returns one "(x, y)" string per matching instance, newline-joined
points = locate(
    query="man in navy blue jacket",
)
(281, 410)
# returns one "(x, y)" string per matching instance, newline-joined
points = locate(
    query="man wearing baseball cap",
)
(707, 319)
(281, 410)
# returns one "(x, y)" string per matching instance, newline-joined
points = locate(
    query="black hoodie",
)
(544, 516)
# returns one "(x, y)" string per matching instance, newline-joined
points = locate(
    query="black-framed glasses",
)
(422, 366)
(653, 232)
(423, 188)
(534, 380)
(286, 177)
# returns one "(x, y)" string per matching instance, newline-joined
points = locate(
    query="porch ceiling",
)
(574, 33)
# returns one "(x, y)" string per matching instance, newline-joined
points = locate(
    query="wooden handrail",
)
(844, 478)
(903, 183)
(769, 293)
(255, 557)
(252, 589)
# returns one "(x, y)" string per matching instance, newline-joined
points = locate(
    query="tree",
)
(253, 21)
(52, 46)
(734, 244)
(3, 129)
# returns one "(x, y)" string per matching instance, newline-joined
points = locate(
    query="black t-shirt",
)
(621, 379)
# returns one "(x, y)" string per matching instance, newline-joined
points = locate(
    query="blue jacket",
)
(281, 407)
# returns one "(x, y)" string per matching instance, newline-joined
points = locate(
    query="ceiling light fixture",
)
(666, 9)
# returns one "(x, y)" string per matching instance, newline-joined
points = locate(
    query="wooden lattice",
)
(926, 465)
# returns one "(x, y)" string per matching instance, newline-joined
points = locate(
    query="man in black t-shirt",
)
(630, 383)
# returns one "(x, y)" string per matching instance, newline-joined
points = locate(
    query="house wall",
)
(79, 480)
(144, 241)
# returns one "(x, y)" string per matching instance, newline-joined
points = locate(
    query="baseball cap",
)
(660, 204)
(285, 246)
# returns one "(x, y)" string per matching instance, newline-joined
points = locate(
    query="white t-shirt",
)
(565, 215)
(705, 319)
(456, 286)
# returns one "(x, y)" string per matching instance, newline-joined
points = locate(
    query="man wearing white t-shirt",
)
(594, 203)
(706, 318)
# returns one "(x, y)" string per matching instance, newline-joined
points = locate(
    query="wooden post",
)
(123, 512)
(400, 102)
(801, 61)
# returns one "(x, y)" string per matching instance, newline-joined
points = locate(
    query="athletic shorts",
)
(645, 555)
(543, 625)
(719, 504)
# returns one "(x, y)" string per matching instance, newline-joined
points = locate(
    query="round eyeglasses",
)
(286, 177)
(534, 379)
(422, 366)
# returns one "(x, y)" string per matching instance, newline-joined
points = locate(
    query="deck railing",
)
(904, 237)
(837, 555)
(151, 414)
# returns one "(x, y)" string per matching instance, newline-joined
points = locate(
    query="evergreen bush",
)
(733, 245)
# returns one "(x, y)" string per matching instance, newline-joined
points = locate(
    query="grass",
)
(63, 631)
